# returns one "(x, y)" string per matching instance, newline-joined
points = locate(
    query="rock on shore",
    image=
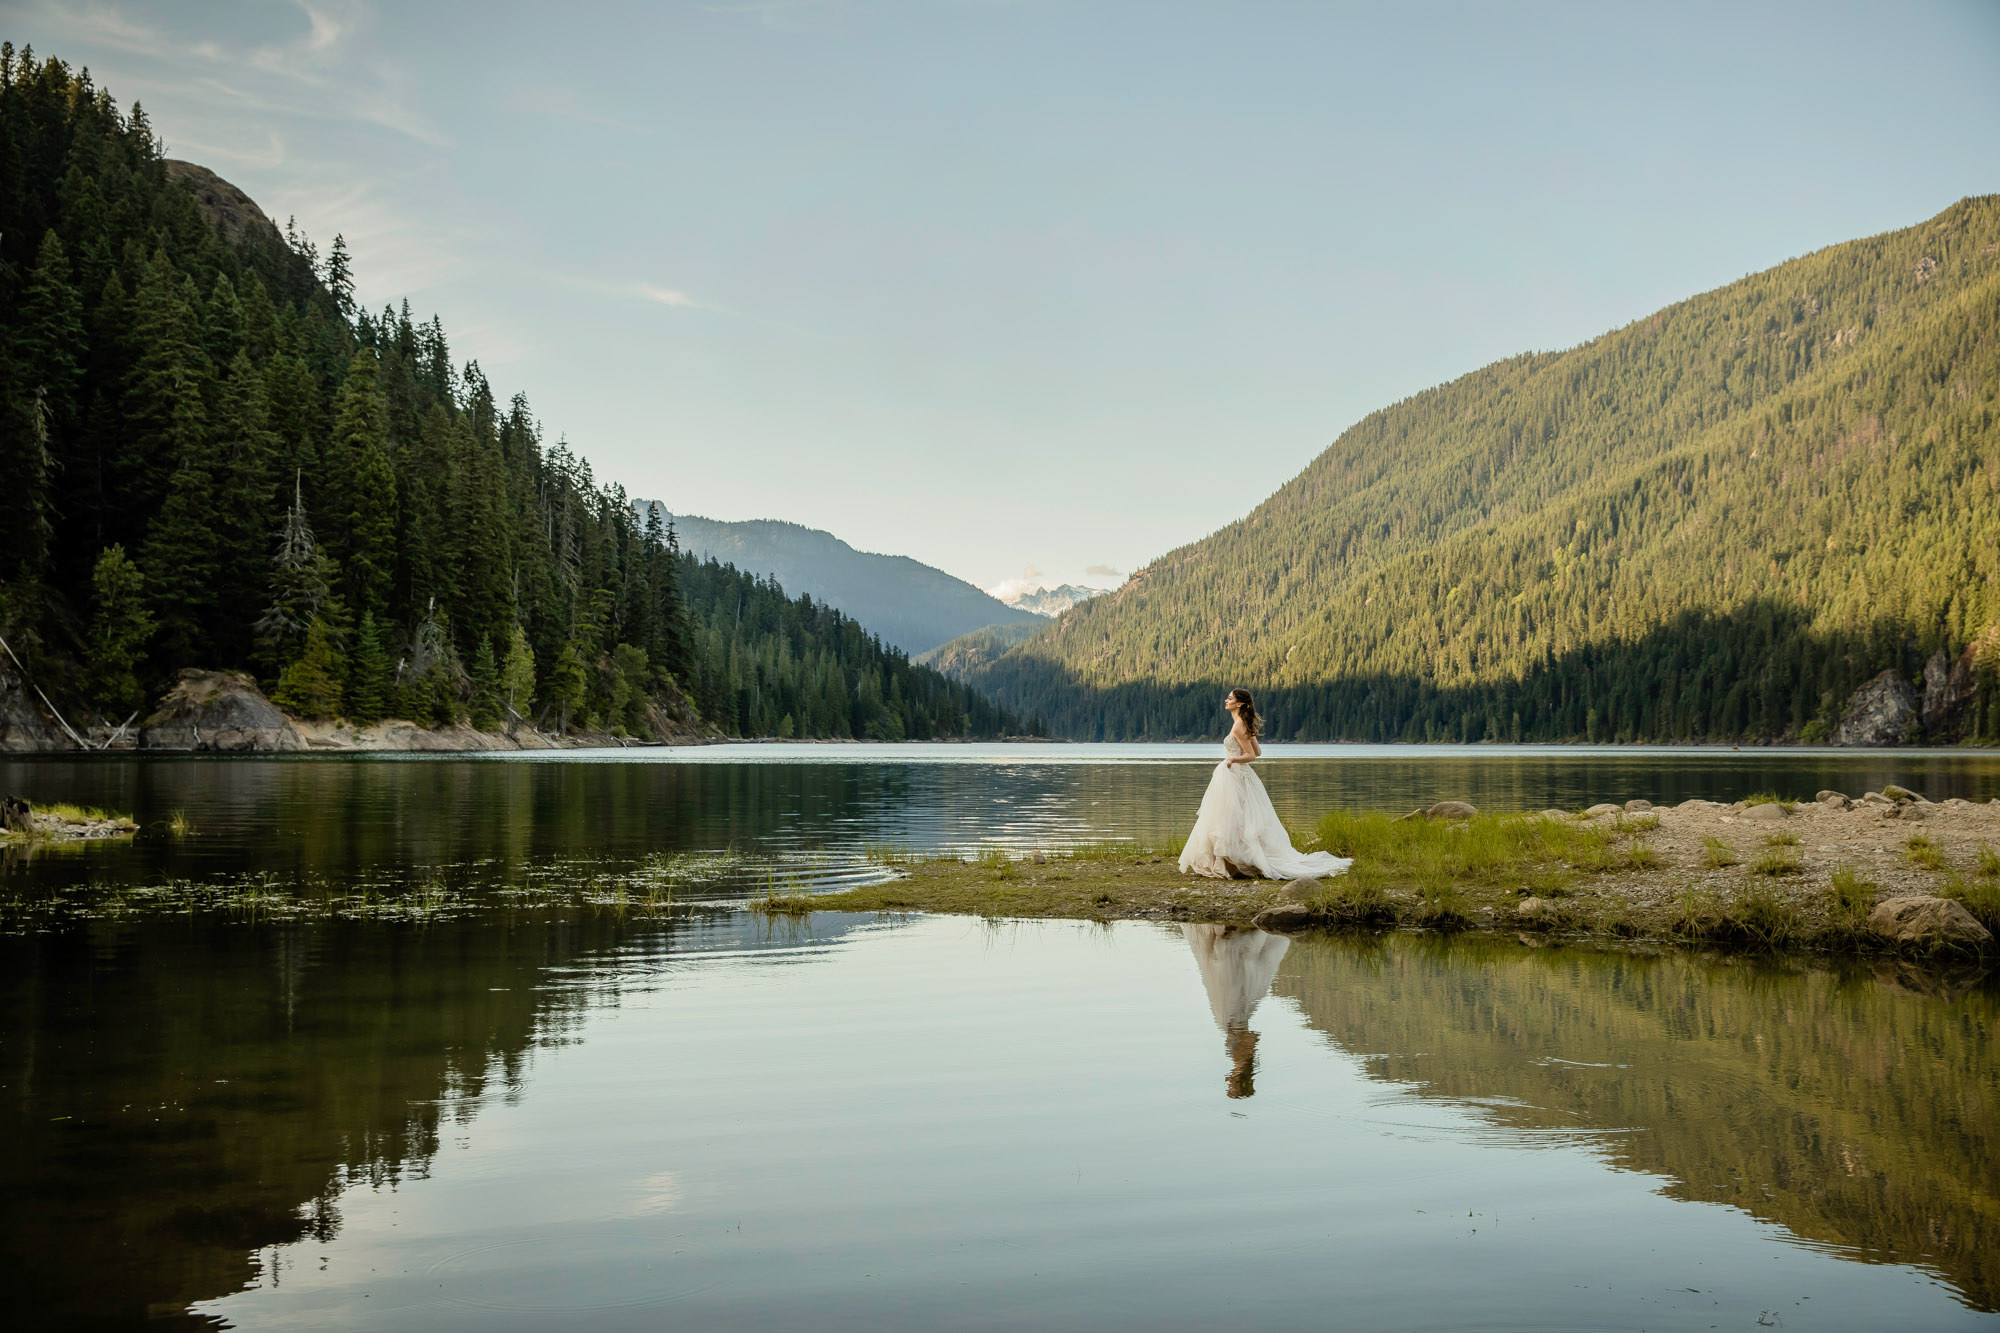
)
(1929, 922)
(24, 727)
(219, 711)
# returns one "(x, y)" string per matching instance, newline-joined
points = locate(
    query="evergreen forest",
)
(1713, 524)
(213, 458)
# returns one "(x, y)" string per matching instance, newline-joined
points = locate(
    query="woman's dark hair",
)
(1245, 709)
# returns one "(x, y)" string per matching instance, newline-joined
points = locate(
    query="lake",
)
(537, 1098)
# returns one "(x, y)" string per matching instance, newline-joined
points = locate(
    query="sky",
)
(1037, 292)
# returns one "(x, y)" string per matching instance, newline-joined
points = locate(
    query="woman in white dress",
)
(1237, 834)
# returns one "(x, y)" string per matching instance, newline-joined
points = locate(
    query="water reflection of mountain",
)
(180, 1095)
(1854, 1113)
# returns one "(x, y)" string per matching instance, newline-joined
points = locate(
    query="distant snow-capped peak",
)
(1051, 601)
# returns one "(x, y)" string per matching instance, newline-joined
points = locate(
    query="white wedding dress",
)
(1237, 834)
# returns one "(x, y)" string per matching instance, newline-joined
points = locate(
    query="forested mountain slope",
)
(913, 606)
(1716, 522)
(210, 458)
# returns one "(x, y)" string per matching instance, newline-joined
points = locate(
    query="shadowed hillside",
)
(1818, 440)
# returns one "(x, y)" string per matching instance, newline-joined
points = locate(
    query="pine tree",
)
(119, 628)
(243, 477)
(301, 587)
(182, 562)
(163, 400)
(369, 674)
(340, 277)
(25, 468)
(485, 681)
(517, 675)
(310, 686)
(566, 685)
(51, 330)
(363, 479)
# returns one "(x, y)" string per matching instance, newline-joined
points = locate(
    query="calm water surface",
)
(531, 1112)
(807, 812)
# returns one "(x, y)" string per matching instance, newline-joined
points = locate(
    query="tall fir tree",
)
(362, 479)
(119, 628)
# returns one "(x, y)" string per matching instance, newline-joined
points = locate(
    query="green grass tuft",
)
(1989, 861)
(1755, 916)
(1853, 897)
(1718, 853)
(1981, 897)
(1782, 838)
(1924, 852)
(1786, 803)
(1775, 861)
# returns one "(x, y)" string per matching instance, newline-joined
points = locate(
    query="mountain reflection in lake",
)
(535, 1120)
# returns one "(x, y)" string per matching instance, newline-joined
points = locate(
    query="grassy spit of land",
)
(62, 822)
(1764, 872)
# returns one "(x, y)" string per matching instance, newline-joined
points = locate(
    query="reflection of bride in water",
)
(1237, 964)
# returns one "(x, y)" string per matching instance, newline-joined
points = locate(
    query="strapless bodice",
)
(1232, 747)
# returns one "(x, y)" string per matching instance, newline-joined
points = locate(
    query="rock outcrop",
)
(1948, 691)
(25, 727)
(228, 209)
(220, 711)
(1882, 712)
(1927, 922)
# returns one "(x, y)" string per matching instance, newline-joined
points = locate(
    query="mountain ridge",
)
(911, 605)
(1415, 578)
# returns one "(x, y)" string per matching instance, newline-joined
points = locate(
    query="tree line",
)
(213, 457)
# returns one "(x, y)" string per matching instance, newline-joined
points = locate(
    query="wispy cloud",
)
(319, 57)
(1104, 571)
(667, 296)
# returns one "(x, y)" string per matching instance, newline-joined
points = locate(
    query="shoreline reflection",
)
(1238, 964)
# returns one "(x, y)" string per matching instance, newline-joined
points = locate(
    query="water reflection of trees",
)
(1846, 1108)
(182, 1095)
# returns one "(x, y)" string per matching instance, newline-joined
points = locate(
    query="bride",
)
(1237, 834)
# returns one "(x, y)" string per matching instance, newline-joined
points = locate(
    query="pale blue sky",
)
(1057, 285)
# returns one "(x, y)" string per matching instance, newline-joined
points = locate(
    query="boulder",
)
(220, 711)
(25, 726)
(1900, 794)
(1529, 906)
(1948, 692)
(1603, 808)
(1768, 812)
(1833, 798)
(1882, 712)
(1451, 810)
(1286, 917)
(1928, 923)
(1877, 799)
(1555, 814)
(1635, 807)
(1299, 890)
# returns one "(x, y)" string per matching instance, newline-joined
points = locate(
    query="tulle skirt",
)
(1238, 835)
